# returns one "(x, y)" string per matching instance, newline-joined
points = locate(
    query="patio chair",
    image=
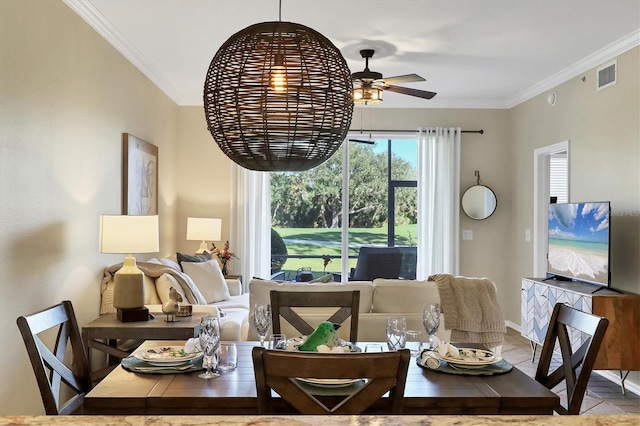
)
(377, 262)
(593, 329)
(280, 371)
(50, 367)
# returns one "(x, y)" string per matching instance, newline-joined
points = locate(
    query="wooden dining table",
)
(427, 392)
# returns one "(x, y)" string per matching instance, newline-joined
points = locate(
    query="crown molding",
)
(95, 19)
(98, 22)
(606, 53)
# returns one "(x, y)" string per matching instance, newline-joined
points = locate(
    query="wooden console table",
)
(103, 333)
(619, 349)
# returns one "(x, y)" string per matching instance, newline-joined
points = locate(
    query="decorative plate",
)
(471, 358)
(166, 356)
(329, 383)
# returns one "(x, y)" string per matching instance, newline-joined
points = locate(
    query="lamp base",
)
(203, 248)
(135, 314)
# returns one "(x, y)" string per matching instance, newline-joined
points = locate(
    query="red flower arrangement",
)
(326, 259)
(224, 255)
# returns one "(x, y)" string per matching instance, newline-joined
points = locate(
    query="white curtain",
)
(251, 222)
(438, 201)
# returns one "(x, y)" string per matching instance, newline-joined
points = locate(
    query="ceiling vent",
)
(607, 75)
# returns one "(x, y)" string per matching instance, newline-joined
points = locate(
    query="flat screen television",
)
(579, 242)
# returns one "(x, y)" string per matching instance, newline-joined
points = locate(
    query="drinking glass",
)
(431, 321)
(414, 342)
(262, 320)
(209, 343)
(278, 341)
(396, 333)
(228, 357)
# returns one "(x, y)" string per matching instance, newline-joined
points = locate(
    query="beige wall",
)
(66, 97)
(603, 128)
(204, 179)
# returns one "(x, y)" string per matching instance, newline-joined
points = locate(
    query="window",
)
(307, 208)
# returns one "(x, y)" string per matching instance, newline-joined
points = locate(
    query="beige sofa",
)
(378, 300)
(201, 285)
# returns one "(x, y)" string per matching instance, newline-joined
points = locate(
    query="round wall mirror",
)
(479, 202)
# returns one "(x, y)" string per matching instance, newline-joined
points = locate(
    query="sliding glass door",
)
(308, 210)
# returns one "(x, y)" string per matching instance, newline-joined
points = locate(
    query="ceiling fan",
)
(368, 85)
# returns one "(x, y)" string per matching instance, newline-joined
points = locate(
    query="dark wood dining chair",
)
(564, 321)
(283, 302)
(279, 371)
(49, 365)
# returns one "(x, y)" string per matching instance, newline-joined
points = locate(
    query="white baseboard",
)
(513, 325)
(614, 377)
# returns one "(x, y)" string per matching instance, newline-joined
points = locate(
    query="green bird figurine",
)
(324, 334)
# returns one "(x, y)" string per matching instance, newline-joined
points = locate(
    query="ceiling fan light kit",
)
(278, 97)
(368, 85)
(366, 94)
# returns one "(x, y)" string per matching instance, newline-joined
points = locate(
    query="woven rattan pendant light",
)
(278, 97)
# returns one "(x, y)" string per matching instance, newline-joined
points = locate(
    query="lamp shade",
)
(278, 97)
(129, 234)
(204, 229)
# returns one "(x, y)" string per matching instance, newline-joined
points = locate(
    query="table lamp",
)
(129, 234)
(203, 230)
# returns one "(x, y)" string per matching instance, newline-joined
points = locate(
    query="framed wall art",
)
(139, 176)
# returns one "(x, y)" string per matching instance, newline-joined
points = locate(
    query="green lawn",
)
(324, 241)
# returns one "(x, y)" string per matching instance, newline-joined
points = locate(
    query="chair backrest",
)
(49, 365)
(278, 370)
(283, 302)
(593, 329)
(377, 262)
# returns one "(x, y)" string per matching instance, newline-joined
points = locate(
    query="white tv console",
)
(619, 349)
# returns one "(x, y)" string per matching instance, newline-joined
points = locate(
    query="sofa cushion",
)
(163, 284)
(186, 258)
(260, 290)
(208, 277)
(235, 302)
(395, 296)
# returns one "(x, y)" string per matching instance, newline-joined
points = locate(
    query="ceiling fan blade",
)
(409, 78)
(412, 92)
(362, 141)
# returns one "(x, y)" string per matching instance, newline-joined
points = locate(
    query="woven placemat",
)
(499, 367)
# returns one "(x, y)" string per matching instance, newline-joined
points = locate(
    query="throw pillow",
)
(193, 258)
(106, 297)
(170, 263)
(164, 284)
(208, 277)
(150, 293)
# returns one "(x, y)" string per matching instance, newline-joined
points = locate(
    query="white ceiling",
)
(474, 53)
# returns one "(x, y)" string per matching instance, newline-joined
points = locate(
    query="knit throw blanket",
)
(471, 309)
(153, 270)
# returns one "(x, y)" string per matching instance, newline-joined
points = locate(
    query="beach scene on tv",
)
(579, 241)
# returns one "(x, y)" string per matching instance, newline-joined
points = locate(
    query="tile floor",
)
(603, 396)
